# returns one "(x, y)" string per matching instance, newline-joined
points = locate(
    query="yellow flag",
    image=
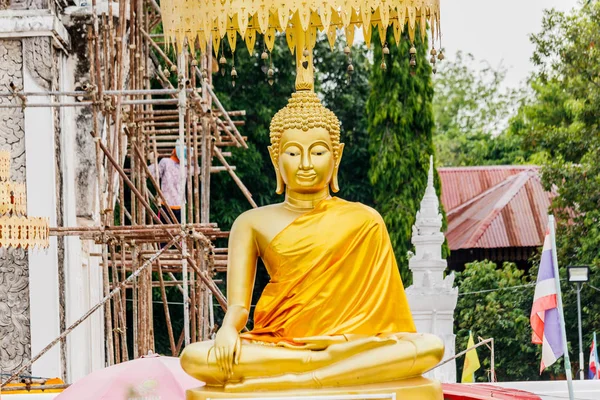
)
(471, 362)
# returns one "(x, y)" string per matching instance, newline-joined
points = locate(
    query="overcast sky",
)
(496, 30)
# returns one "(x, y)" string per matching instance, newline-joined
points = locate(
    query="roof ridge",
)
(488, 167)
(472, 200)
(520, 180)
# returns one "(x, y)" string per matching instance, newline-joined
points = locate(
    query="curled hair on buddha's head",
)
(304, 111)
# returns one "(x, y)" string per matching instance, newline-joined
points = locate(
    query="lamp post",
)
(579, 275)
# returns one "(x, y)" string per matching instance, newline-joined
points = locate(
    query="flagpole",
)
(596, 373)
(595, 348)
(560, 308)
(592, 352)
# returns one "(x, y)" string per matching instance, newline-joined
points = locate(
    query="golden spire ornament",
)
(16, 228)
(213, 20)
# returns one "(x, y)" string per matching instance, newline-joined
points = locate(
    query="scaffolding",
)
(134, 125)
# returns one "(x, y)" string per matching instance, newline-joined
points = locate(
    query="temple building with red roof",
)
(496, 213)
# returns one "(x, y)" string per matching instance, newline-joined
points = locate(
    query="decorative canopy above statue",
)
(212, 20)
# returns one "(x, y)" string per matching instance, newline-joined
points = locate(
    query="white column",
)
(41, 201)
(83, 275)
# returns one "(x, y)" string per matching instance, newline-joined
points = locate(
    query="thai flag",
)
(594, 370)
(545, 320)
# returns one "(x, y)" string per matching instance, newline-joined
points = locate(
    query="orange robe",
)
(332, 272)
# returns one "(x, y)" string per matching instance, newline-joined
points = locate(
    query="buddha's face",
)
(306, 161)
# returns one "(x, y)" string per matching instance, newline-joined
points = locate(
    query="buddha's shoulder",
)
(256, 215)
(360, 211)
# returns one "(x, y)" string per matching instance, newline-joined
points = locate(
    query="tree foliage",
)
(400, 118)
(494, 303)
(346, 96)
(472, 110)
(561, 122)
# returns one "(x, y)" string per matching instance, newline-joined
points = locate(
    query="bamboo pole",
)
(188, 168)
(163, 295)
(193, 305)
(110, 137)
(182, 108)
(197, 203)
(158, 49)
(134, 296)
(237, 180)
(238, 136)
(116, 310)
(84, 93)
(124, 306)
(104, 300)
(206, 166)
(96, 47)
(203, 227)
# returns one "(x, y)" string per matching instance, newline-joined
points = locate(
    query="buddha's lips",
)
(306, 176)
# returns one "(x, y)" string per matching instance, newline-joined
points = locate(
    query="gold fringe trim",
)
(201, 19)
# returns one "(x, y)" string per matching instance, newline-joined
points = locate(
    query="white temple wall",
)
(41, 201)
(83, 275)
(48, 290)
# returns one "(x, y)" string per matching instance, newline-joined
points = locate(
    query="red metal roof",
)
(494, 207)
(460, 184)
(458, 391)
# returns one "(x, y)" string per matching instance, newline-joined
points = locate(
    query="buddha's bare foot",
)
(344, 350)
(281, 382)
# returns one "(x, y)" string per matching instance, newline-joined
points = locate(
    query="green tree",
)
(495, 302)
(472, 110)
(561, 122)
(400, 118)
(346, 96)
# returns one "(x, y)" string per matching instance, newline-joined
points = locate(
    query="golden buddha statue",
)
(334, 314)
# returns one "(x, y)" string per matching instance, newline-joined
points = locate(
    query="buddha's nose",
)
(306, 163)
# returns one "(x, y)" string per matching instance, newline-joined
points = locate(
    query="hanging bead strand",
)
(222, 60)
(233, 71)
(385, 51)
(413, 59)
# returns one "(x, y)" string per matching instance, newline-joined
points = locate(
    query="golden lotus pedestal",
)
(418, 388)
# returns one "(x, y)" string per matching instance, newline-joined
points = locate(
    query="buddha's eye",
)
(292, 153)
(318, 151)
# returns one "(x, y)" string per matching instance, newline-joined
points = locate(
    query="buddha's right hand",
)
(227, 348)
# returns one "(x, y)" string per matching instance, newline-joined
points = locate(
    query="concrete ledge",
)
(30, 23)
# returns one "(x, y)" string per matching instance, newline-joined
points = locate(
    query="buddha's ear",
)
(280, 184)
(335, 186)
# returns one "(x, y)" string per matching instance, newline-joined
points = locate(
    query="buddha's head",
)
(305, 145)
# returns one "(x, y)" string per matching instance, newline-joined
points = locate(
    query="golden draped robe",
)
(333, 272)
